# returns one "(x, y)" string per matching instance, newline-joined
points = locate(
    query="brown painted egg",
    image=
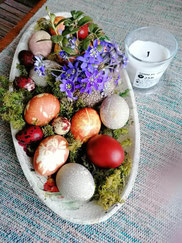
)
(39, 47)
(41, 109)
(61, 125)
(50, 155)
(85, 124)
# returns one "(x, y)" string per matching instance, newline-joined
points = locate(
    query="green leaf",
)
(86, 43)
(78, 14)
(99, 48)
(71, 28)
(67, 22)
(84, 20)
(67, 31)
(104, 38)
(52, 17)
(95, 30)
(100, 34)
(65, 41)
(56, 38)
(92, 26)
(73, 13)
(69, 50)
(60, 21)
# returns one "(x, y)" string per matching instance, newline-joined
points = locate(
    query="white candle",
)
(149, 51)
(146, 64)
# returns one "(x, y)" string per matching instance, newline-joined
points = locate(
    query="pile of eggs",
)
(73, 180)
(52, 152)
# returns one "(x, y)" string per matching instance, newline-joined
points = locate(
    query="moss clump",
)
(110, 183)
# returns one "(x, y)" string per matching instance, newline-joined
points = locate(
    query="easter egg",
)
(85, 124)
(75, 182)
(61, 125)
(29, 134)
(50, 155)
(42, 80)
(59, 28)
(114, 112)
(105, 151)
(40, 43)
(41, 109)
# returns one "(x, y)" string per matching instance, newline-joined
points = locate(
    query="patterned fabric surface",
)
(153, 211)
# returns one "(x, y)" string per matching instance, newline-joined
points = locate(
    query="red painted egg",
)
(105, 151)
(85, 124)
(41, 109)
(50, 155)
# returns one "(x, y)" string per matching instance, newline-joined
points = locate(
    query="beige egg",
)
(40, 43)
(114, 112)
(41, 80)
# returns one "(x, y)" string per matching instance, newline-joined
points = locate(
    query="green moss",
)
(48, 130)
(118, 132)
(126, 143)
(110, 184)
(11, 109)
(22, 70)
(73, 148)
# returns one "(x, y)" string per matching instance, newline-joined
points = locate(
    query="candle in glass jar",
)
(145, 75)
(149, 51)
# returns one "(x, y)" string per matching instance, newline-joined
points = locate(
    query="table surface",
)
(153, 211)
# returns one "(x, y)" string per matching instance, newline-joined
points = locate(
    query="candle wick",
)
(148, 53)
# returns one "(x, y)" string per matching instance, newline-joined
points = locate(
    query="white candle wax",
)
(144, 67)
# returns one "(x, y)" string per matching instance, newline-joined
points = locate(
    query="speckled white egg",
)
(114, 112)
(41, 80)
(75, 182)
(61, 125)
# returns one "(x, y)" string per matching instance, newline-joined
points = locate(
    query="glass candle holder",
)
(149, 51)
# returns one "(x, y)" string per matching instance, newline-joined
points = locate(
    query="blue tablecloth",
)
(153, 211)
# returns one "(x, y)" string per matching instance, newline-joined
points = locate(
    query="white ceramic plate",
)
(90, 212)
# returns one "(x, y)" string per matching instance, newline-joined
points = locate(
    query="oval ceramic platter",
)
(76, 212)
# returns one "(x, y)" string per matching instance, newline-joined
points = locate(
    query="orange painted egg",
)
(85, 124)
(41, 109)
(59, 28)
(50, 155)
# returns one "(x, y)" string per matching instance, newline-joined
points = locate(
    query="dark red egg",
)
(105, 151)
(26, 58)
